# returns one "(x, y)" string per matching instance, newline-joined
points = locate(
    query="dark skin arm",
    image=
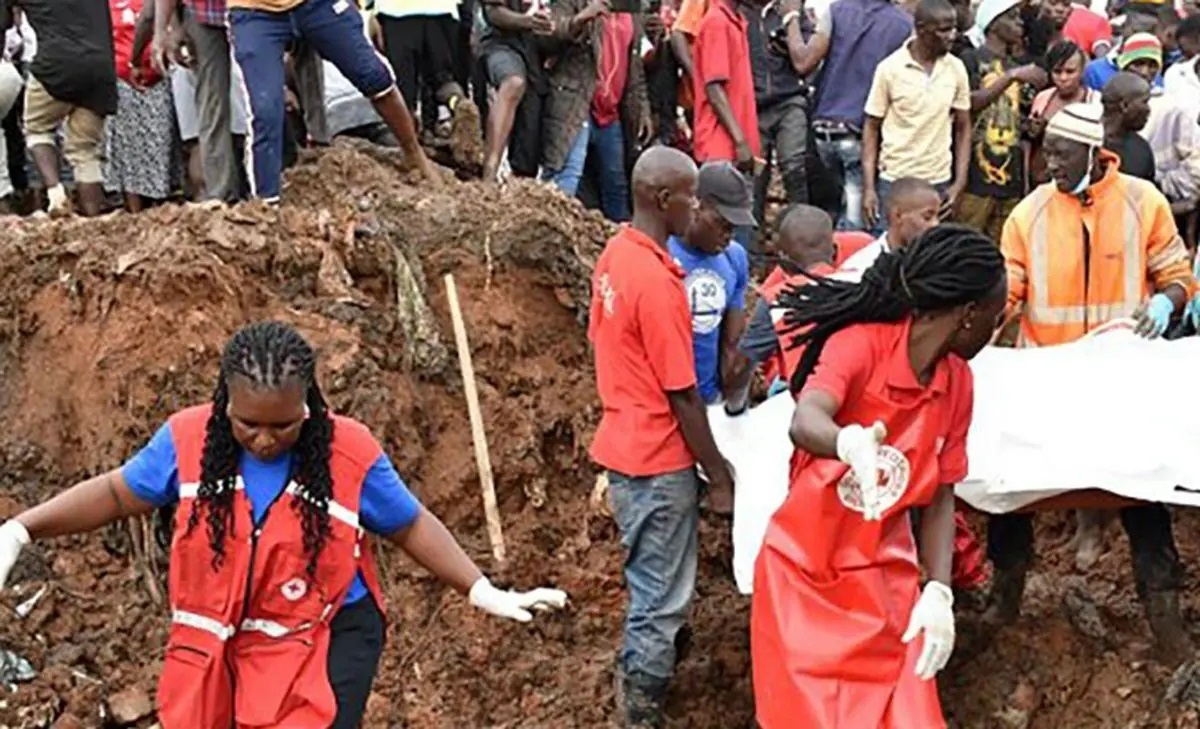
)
(84, 507)
(962, 158)
(681, 47)
(142, 33)
(168, 36)
(89, 505)
(720, 104)
(986, 96)
(733, 324)
(813, 427)
(504, 19)
(738, 374)
(804, 56)
(432, 546)
(1178, 297)
(690, 411)
(937, 535)
(870, 165)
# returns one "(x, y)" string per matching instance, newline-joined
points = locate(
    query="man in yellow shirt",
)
(920, 100)
(1088, 247)
(261, 31)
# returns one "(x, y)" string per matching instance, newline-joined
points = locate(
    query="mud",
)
(107, 326)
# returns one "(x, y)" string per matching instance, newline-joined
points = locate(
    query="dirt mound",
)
(112, 324)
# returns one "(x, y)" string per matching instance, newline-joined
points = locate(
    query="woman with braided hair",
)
(842, 634)
(276, 607)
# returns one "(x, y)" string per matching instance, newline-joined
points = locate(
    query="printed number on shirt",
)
(706, 295)
(894, 472)
(605, 291)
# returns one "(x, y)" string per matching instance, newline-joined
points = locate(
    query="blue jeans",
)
(658, 518)
(843, 154)
(567, 178)
(608, 144)
(334, 29)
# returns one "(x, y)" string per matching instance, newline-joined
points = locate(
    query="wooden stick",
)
(141, 557)
(482, 460)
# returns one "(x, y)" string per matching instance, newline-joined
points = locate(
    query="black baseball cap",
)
(721, 184)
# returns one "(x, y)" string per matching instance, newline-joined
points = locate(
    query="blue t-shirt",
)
(386, 505)
(714, 284)
(1099, 71)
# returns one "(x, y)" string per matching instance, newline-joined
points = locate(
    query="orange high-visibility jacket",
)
(1075, 267)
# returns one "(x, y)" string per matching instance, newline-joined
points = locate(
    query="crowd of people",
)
(151, 100)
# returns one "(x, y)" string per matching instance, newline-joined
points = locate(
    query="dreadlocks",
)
(948, 266)
(269, 355)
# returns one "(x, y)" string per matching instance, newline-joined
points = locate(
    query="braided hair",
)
(948, 266)
(270, 355)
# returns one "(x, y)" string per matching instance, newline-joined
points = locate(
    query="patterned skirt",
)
(141, 143)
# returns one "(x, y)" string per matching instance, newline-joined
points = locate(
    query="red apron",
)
(833, 593)
(249, 641)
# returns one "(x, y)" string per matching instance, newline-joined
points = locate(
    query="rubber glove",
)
(514, 605)
(933, 616)
(1192, 312)
(1157, 317)
(13, 538)
(858, 447)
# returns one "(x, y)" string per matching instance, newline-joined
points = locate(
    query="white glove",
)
(933, 615)
(858, 447)
(514, 605)
(13, 538)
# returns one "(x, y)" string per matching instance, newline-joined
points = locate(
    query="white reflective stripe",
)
(336, 510)
(1134, 263)
(1038, 265)
(224, 632)
(1094, 314)
(270, 628)
(200, 622)
(190, 490)
(342, 514)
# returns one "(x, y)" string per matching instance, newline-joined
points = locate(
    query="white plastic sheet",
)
(1113, 412)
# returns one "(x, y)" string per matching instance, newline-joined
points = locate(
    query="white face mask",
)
(1086, 180)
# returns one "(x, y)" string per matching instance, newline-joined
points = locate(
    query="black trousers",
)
(1151, 543)
(354, 651)
(420, 49)
(783, 128)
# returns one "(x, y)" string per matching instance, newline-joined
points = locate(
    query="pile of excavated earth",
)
(109, 325)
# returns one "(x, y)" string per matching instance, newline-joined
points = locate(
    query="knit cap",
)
(1078, 122)
(1140, 46)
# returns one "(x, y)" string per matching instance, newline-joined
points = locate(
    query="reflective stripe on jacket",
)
(1076, 266)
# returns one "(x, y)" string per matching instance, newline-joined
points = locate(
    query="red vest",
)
(249, 641)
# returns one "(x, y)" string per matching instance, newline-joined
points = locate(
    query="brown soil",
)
(112, 324)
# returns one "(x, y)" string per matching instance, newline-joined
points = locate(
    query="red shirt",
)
(641, 330)
(722, 54)
(1086, 29)
(612, 71)
(124, 24)
(849, 242)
